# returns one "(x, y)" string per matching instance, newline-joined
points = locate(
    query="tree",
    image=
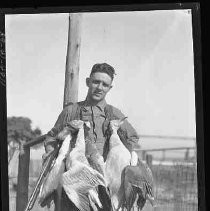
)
(19, 129)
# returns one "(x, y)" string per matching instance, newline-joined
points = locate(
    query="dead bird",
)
(96, 161)
(52, 180)
(138, 185)
(118, 158)
(80, 181)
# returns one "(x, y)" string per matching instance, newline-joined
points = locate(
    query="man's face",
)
(99, 85)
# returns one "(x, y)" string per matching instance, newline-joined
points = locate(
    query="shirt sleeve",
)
(128, 132)
(65, 116)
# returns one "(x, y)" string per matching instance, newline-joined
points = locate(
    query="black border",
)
(3, 121)
(196, 29)
(36, 8)
(100, 8)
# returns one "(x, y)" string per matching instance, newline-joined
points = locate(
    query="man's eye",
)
(105, 85)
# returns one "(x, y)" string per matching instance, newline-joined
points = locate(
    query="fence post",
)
(23, 178)
(144, 153)
(149, 159)
(164, 155)
(187, 155)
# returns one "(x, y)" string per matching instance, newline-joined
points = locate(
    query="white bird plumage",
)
(80, 180)
(117, 159)
(52, 180)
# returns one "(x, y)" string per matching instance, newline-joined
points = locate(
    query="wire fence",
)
(175, 183)
(176, 186)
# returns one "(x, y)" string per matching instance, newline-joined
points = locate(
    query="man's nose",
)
(100, 86)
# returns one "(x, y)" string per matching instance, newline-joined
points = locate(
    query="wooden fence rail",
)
(35, 141)
(144, 152)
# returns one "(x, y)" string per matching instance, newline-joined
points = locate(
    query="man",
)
(95, 110)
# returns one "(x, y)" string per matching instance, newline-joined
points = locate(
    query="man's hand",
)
(48, 150)
(49, 147)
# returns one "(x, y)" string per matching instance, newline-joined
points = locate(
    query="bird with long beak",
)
(52, 180)
(96, 161)
(94, 158)
(118, 158)
(138, 186)
(80, 181)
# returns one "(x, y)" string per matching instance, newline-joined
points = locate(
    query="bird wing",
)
(138, 178)
(134, 186)
(135, 180)
(97, 163)
(65, 147)
(94, 158)
(77, 184)
(149, 184)
(146, 172)
(130, 195)
(52, 180)
(130, 189)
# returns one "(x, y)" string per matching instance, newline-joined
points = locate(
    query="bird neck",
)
(114, 140)
(134, 158)
(77, 156)
(80, 141)
(73, 165)
(114, 130)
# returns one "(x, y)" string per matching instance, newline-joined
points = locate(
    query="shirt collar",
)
(101, 105)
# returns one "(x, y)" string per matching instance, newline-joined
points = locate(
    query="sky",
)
(151, 51)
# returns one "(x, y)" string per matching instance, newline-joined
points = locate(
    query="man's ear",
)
(87, 82)
(110, 88)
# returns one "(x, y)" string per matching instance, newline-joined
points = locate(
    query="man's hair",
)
(103, 68)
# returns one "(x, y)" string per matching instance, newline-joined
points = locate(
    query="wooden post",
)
(144, 155)
(187, 154)
(23, 178)
(72, 59)
(71, 75)
(149, 159)
(164, 155)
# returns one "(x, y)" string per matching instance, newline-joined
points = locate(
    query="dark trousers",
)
(64, 204)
